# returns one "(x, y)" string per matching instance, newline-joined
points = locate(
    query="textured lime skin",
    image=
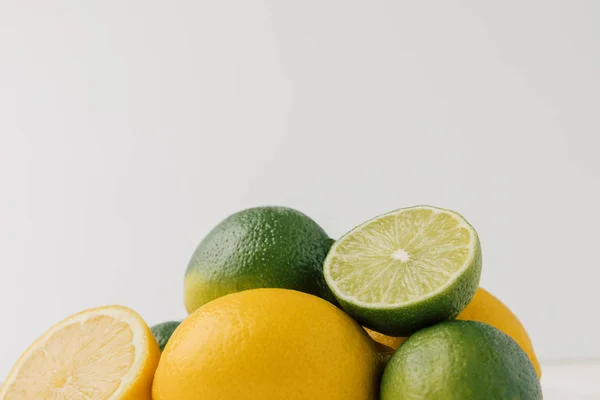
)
(162, 332)
(262, 247)
(460, 360)
(443, 306)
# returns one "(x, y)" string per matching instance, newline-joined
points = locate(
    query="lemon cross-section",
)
(103, 353)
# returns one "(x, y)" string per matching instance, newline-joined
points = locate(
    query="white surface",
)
(571, 380)
(128, 129)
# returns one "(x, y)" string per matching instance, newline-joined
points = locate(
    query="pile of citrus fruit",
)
(278, 310)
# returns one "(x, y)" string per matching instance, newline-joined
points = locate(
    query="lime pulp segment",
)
(401, 257)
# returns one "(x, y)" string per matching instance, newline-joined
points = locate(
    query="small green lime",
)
(460, 360)
(405, 270)
(263, 247)
(162, 332)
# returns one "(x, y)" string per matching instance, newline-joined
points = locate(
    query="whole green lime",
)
(162, 332)
(460, 360)
(262, 247)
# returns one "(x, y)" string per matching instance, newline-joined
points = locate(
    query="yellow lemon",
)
(389, 341)
(483, 308)
(265, 344)
(102, 353)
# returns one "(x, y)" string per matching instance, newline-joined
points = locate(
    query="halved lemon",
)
(102, 353)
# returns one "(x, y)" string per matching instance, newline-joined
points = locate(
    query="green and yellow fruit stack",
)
(278, 310)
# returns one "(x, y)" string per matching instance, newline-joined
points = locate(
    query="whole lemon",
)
(266, 344)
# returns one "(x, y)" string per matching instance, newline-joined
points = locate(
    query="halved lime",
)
(405, 270)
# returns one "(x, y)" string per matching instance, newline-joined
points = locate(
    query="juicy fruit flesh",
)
(84, 357)
(78, 362)
(400, 257)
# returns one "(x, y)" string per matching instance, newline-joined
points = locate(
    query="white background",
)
(128, 129)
